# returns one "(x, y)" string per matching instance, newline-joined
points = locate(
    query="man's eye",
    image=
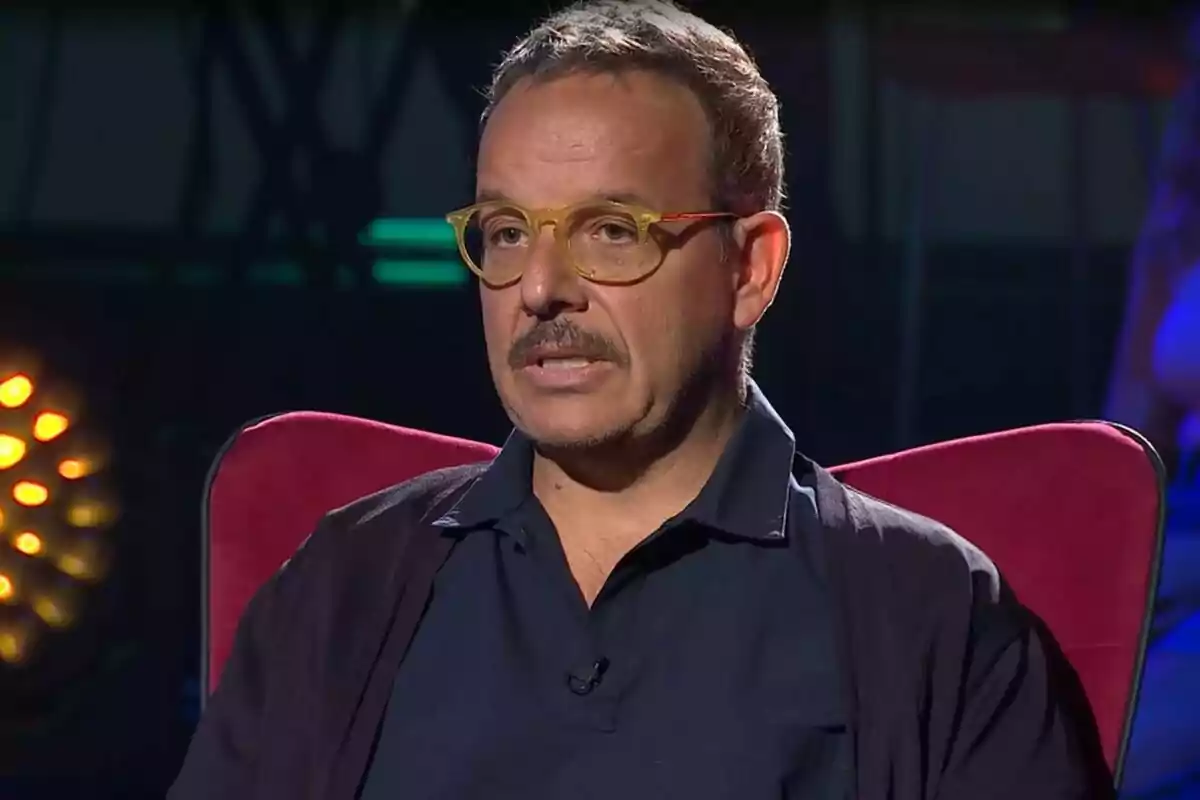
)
(614, 232)
(506, 236)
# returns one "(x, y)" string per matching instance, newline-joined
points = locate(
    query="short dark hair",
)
(659, 36)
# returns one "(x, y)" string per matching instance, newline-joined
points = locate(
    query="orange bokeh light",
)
(89, 514)
(74, 468)
(30, 493)
(12, 450)
(51, 612)
(28, 543)
(12, 647)
(75, 566)
(49, 425)
(16, 391)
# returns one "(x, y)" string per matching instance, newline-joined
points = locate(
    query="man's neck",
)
(653, 484)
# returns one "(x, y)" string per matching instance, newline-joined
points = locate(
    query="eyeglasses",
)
(610, 243)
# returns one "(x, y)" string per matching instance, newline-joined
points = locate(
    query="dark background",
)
(142, 144)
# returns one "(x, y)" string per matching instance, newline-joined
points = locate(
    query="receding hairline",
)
(698, 133)
(557, 71)
(617, 67)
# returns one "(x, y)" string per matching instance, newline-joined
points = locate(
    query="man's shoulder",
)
(917, 573)
(411, 502)
(381, 524)
(914, 547)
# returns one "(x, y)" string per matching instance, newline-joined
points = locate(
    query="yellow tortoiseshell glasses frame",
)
(605, 242)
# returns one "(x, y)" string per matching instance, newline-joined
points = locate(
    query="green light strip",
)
(390, 272)
(419, 232)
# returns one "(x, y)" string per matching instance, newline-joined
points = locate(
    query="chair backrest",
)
(274, 480)
(1071, 513)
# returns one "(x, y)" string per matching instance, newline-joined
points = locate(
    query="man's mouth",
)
(561, 358)
(563, 362)
(558, 370)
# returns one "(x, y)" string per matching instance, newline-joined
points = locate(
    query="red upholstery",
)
(273, 482)
(1070, 512)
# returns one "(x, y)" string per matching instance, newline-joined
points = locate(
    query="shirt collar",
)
(498, 491)
(746, 496)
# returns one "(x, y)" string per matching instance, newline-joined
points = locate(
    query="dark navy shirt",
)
(705, 668)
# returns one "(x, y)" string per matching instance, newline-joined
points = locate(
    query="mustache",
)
(565, 334)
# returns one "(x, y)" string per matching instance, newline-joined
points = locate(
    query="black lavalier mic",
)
(590, 679)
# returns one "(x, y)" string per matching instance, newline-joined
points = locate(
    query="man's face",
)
(589, 137)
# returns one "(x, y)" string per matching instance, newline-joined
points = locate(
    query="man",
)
(642, 596)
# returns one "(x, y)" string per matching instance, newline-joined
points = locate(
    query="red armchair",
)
(1086, 565)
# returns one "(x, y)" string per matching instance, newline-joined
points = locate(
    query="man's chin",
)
(571, 424)
(554, 437)
(572, 421)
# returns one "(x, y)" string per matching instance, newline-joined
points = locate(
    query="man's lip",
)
(538, 356)
(578, 377)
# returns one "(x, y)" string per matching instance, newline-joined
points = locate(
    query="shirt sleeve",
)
(1024, 728)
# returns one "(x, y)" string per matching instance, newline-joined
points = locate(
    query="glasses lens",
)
(607, 244)
(497, 241)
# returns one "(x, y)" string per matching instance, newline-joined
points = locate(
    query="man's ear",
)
(763, 243)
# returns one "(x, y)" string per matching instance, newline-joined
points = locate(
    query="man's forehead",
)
(492, 194)
(591, 138)
(580, 116)
(537, 184)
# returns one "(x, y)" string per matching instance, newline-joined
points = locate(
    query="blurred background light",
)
(53, 511)
(15, 391)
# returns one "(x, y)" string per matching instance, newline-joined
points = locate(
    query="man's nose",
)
(550, 285)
